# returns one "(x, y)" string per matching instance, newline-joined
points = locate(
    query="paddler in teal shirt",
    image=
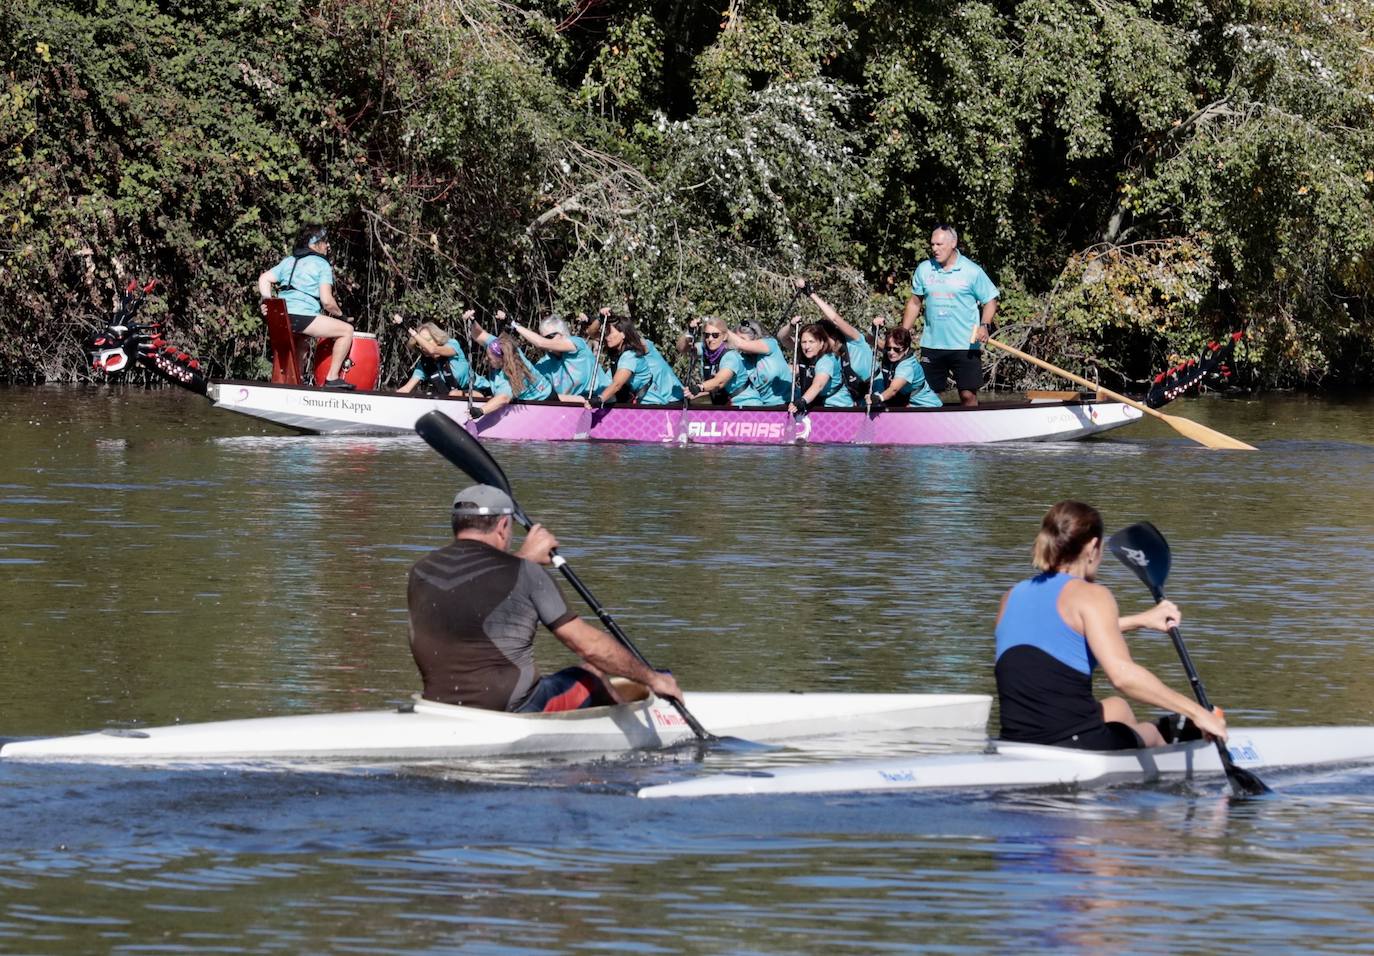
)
(731, 380)
(569, 362)
(770, 374)
(639, 368)
(857, 350)
(513, 377)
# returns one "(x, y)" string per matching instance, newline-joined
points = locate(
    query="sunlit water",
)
(163, 562)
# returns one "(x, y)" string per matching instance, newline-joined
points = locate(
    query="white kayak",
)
(1007, 765)
(429, 730)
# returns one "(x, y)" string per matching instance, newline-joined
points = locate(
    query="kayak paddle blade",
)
(1143, 549)
(452, 441)
(1244, 783)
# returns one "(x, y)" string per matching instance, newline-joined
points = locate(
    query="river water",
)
(162, 562)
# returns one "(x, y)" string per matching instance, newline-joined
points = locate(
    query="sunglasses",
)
(896, 348)
(714, 335)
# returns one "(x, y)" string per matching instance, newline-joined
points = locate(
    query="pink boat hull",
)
(309, 409)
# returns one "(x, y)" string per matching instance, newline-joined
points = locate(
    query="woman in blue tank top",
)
(1055, 628)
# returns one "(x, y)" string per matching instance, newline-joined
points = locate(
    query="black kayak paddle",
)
(1143, 549)
(449, 439)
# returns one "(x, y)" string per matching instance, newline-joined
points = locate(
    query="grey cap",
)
(483, 500)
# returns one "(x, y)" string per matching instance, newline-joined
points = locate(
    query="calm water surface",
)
(163, 562)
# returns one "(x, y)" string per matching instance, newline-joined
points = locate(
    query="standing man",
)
(963, 302)
(473, 612)
(305, 280)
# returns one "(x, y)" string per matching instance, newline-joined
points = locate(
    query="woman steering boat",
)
(1054, 628)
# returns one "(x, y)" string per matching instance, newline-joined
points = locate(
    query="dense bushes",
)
(1136, 175)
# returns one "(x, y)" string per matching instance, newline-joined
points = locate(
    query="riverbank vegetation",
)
(1137, 176)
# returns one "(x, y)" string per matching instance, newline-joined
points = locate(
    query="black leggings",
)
(1108, 736)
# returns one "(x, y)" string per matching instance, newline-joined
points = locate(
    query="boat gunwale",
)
(1083, 400)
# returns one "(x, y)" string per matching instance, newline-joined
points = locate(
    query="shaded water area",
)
(162, 562)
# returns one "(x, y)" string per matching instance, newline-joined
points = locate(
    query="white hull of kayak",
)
(1030, 765)
(442, 730)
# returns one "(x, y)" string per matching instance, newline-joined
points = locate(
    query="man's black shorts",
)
(966, 365)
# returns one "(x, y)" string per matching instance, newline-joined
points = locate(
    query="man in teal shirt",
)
(960, 302)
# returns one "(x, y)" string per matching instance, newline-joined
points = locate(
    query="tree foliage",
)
(1137, 175)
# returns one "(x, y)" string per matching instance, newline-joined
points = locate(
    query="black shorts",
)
(966, 365)
(299, 322)
(1108, 736)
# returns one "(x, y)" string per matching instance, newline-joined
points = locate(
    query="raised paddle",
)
(1184, 426)
(467, 453)
(1143, 549)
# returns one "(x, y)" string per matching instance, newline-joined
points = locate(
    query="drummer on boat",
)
(1053, 629)
(474, 608)
(305, 282)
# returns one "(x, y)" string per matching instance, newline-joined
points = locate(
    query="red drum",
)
(360, 368)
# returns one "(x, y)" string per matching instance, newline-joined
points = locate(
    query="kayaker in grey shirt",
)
(474, 609)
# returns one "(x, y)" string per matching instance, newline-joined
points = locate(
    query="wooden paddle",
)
(1143, 549)
(448, 439)
(1184, 426)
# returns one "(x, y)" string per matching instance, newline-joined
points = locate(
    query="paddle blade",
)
(1244, 783)
(1202, 434)
(1143, 549)
(449, 439)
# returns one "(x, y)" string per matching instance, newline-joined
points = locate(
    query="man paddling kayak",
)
(1054, 628)
(473, 612)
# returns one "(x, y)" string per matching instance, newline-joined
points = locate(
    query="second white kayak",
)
(1006, 765)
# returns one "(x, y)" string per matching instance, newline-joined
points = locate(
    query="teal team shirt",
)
(458, 367)
(536, 389)
(740, 389)
(303, 298)
(770, 375)
(650, 371)
(570, 373)
(834, 394)
(951, 300)
(917, 391)
(860, 357)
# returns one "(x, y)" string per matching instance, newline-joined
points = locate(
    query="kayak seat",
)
(629, 690)
(281, 341)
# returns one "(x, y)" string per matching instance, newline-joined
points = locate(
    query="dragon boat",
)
(1041, 416)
